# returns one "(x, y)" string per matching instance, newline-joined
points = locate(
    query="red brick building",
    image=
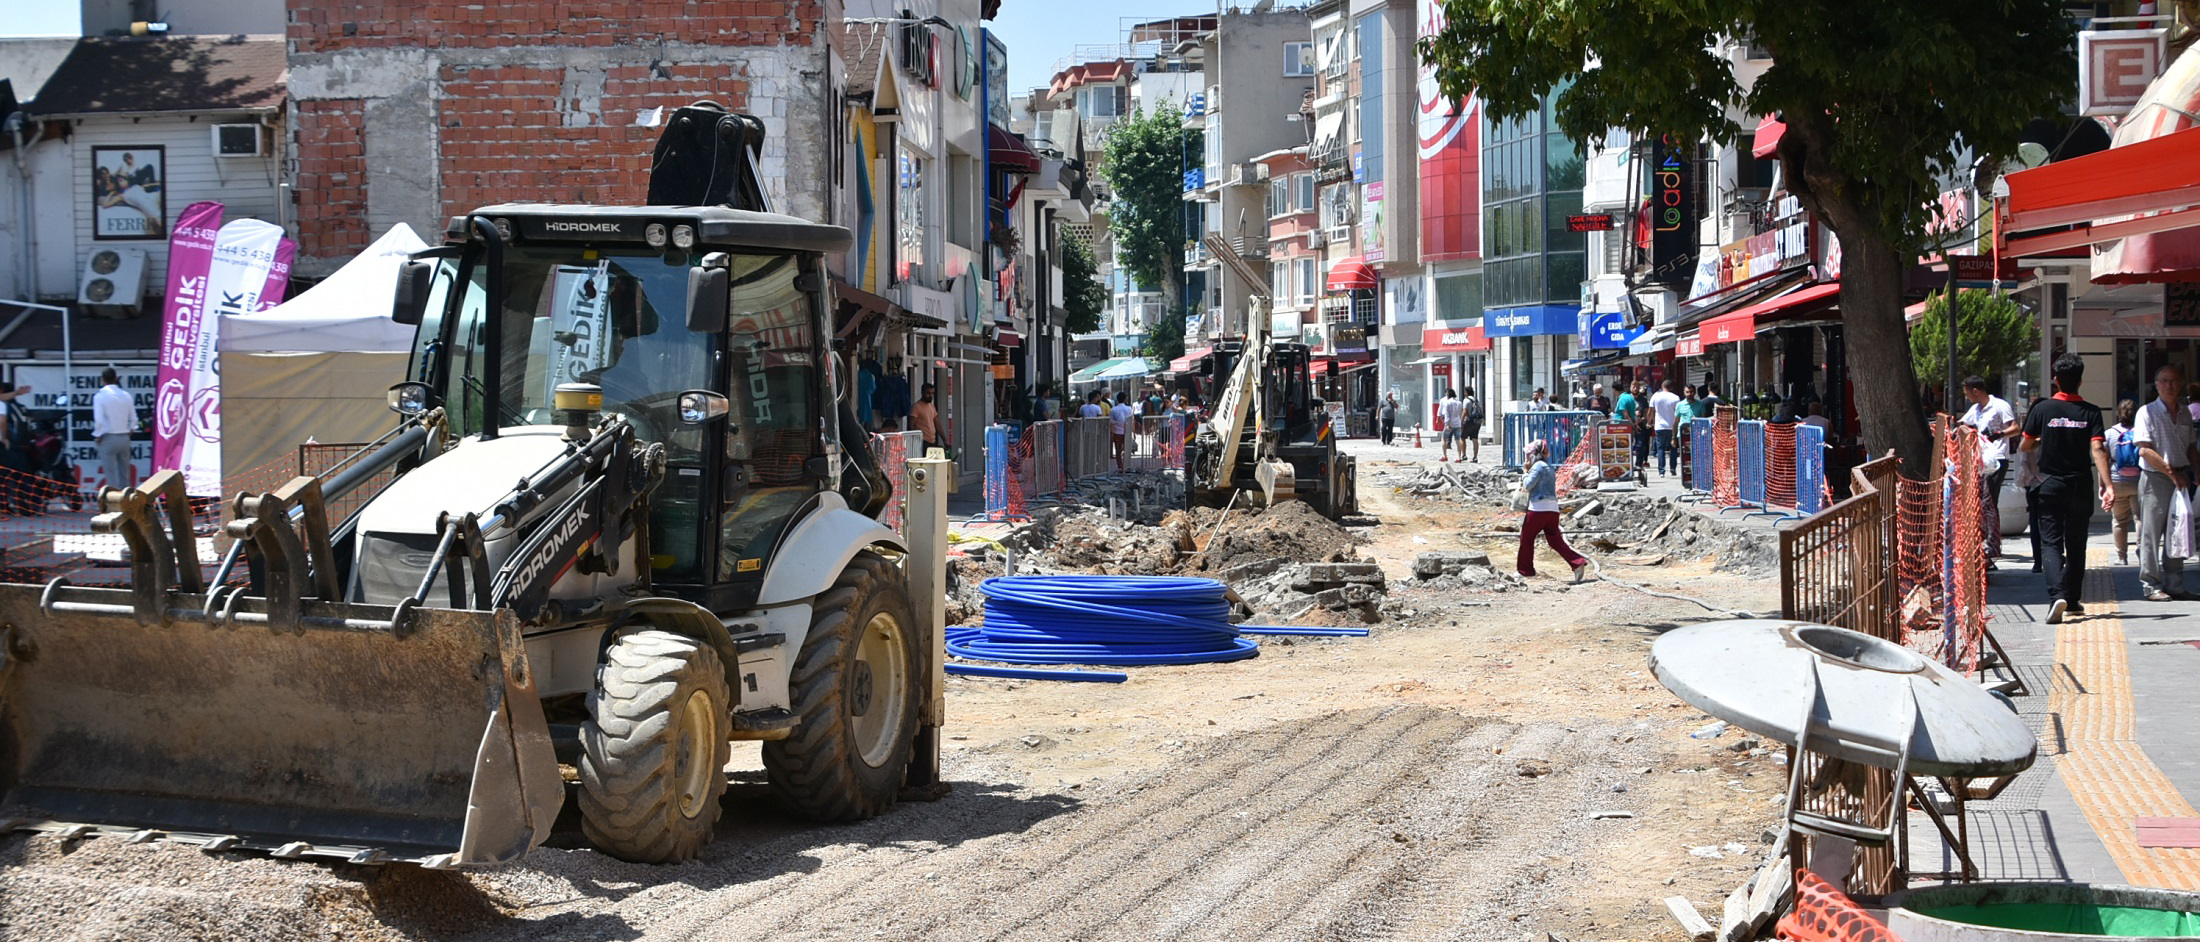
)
(415, 110)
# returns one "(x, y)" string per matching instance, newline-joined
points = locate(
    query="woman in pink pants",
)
(1542, 519)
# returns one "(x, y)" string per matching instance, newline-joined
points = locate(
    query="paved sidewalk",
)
(2114, 714)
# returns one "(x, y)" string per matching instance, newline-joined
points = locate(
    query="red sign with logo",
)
(1453, 340)
(1450, 135)
(1689, 345)
(1590, 222)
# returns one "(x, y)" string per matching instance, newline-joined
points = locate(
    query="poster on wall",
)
(1371, 222)
(129, 199)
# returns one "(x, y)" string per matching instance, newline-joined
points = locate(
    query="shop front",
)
(1529, 347)
(1456, 356)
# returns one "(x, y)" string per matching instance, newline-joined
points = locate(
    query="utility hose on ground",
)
(1108, 620)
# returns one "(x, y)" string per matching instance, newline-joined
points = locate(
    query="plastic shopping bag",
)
(2180, 525)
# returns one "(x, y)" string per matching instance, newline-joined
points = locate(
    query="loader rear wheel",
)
(654, 748)
(854, 690)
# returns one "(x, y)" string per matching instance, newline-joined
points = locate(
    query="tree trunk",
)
(1887, 400)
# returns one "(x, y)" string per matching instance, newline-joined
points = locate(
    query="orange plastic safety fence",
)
(1586, 455)
(1780, 464)
(1824, 914)
(1966, 620)
(1726, 455)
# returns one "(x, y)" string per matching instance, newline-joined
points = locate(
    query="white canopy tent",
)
(316, 367)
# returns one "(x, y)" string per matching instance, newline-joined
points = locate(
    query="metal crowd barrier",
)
(1699, 460)
(1810, 469)
(1749, 451)
(1562, 431)
(1028, 464)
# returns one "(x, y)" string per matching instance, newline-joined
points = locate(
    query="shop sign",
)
(1284, 325)
(1981, 269)
(2115, 66)
(1672, 213)
(1608, 330)
(2181, 304)
(1454, 339)
(1590, 222)
(1439, 369)
(1786, 245)
(1530, 321)
(1689, 345)
(53, 390)
(1349, 341)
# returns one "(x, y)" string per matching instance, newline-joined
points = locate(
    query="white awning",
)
(1326, 129)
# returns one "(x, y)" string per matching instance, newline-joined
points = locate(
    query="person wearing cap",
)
(1542, 519)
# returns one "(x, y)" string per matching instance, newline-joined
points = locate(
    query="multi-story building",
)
(1259, 68)
(1533, 264)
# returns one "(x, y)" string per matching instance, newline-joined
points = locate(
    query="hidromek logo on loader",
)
(558, 225)
(555, 546)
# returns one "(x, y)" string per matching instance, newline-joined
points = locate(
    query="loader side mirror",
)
(707, 297)
(415, 279)
(699, 406)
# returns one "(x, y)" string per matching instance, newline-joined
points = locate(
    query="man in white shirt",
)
(1996, 424)
(1455, 429)
(2164, 433)
(1665, 407)
(114, 417)
(1119, 425)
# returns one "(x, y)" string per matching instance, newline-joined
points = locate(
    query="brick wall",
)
(337, 25)
(332, 176)
(416, 111)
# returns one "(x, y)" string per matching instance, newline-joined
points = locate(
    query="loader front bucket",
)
(349, 737)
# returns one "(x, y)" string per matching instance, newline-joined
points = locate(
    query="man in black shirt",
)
(2065, 436)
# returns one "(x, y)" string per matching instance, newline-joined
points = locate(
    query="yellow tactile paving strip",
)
(2109, 776)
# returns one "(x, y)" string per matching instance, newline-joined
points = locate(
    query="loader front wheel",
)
(854, 691)
(654, 748)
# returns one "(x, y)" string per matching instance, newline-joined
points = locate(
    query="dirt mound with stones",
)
(1291, 531)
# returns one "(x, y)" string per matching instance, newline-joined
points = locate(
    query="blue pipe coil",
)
(1026, 673)
(1118, 621)
(1308, 632)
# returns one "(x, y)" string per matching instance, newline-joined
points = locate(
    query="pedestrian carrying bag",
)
(2180, 525)
(1520, 496)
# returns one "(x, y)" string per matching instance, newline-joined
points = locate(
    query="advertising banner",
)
(50, 384)
(190, 255)
(245, 252)
(1450, 133)
(1672, 215)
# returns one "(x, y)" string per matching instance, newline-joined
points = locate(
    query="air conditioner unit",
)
(113, 277)
(1315, 238)
(239, 140)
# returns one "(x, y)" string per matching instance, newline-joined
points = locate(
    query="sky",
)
(1039, 32)
(41, 19)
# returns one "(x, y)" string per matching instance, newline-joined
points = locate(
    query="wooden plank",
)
(1692, 922)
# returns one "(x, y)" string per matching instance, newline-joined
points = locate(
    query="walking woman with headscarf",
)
(1542, 518)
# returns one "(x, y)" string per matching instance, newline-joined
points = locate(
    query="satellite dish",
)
(2031, 154)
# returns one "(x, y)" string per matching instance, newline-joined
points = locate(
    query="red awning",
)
(1008, 338)
(1768, 136)
(1184, 364)
(2168, 107)
(1352, 274)
(1009, 152)
(1742, 324)
(2159, 176)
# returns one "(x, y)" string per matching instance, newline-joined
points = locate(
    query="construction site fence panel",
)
(1749, 440)
(1699, 455)
(1156, 444)
(1562, 431)
(1030, 463)
(1810, 469)
(893, 450)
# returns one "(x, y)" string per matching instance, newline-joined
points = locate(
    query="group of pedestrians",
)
(2070, 461)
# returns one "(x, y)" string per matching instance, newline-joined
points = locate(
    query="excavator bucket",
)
(330, 730)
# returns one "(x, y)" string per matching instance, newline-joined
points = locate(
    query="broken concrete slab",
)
(1447, 563)
(1313, 577)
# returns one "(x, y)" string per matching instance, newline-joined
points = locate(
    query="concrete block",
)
(1447, 563)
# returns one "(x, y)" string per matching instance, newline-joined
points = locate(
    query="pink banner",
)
(277, 289)
(190, 256)
(244, 260)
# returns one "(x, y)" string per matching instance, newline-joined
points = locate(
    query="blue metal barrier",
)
(1562, 431)
(1699, 460)
(999, 440)
(1810, 469)
(1749, 441)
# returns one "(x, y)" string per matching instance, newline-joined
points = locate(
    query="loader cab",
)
(649, 303)
(1290, 391)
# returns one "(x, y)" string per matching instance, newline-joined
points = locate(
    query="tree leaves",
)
(1147, 154)
(1082, 293)
(1993, 334)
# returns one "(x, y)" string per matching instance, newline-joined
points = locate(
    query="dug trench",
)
(1486, 765)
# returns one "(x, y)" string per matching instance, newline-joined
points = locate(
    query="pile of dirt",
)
(1646, 526)
(1290, 531)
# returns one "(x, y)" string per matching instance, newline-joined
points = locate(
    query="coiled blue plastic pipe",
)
(1107, 620)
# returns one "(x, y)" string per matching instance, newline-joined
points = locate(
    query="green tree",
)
(1993, 334)
(1082, 293)
(1143, 162)
(1165, 339)
(1876, 96)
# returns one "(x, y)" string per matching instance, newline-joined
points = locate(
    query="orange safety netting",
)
(1780, 464)
(1940, 561)
(1824, 914)
(1726, 458)
(1587, 454)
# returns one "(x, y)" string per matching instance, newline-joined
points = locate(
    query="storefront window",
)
(1523, 367)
